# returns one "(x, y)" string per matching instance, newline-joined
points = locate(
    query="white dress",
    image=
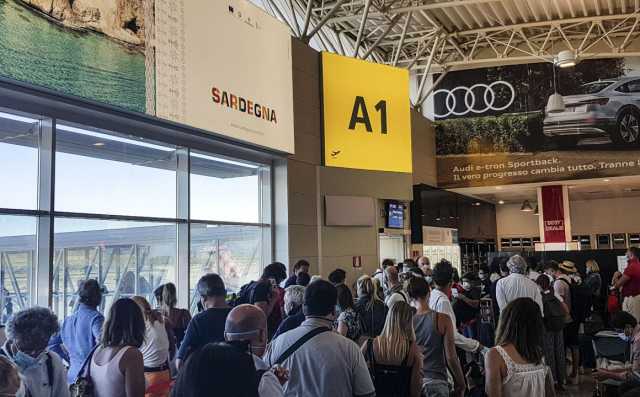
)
(523, 379)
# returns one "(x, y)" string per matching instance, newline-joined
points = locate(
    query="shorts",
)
(435, 388)
(571, 334)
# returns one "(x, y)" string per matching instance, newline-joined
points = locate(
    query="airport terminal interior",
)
(319, 198)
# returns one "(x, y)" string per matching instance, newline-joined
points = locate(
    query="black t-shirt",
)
(205, 327)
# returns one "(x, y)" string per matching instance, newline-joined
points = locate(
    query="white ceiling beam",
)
(534, 10)
(624, 6)
(572, 11)
(510, 14)
(520, 8)
(558, 8)
(596, 4)
(611, 7)
(497, 13)
(585, 12)
(474, 14)
(546, 10)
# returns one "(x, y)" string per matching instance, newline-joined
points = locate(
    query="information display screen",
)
(395, 215)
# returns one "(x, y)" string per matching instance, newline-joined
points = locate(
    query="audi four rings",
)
(470, 99)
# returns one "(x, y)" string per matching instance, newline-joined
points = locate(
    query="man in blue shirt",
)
(208, 325)
(81, 331)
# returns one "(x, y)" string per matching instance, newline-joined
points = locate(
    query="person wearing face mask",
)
(630, 283)
(207, 326)
(248, 324)
(467, 305)
(42, 372)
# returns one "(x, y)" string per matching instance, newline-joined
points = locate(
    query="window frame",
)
(50, 107)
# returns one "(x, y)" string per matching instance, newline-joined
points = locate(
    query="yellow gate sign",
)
(367, 121)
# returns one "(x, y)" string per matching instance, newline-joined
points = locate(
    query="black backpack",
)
(389, 380)
(244, 295)
(581, 300)
(554, 315)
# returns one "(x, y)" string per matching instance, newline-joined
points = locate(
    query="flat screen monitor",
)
(395, 215)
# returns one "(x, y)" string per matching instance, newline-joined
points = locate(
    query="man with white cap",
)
(565, 278)
(517, 284)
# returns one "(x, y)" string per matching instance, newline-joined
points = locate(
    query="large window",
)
(79, 202)
(17, 256)
(19, 136)
(111, 173)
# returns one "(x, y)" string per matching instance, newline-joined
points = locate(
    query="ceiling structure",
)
(586, 189)
(432, 36)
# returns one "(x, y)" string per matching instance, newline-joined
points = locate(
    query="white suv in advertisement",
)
(606, 108)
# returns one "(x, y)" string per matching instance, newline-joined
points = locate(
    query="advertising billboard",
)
(221, 66)
(501, 125)
(367, 121)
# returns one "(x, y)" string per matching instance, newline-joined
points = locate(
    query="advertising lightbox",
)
(367, 122)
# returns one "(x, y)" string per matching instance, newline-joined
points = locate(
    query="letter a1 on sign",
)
(367, 120)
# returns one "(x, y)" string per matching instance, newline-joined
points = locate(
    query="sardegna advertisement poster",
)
(493, 126)
(223, 66)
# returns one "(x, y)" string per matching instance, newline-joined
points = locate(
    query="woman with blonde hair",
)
(393, 357)
(370, 308)
(593, 279)
(156, 350)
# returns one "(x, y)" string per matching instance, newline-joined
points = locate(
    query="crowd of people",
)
(409, 329)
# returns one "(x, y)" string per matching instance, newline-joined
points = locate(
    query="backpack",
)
(581, 300)
(554, 315)
(389, 380)
(244, 295)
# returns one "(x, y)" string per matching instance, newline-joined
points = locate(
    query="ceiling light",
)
(98, 144)
(566, 59)
(477, 204)
(607, 180)
(526, 206)
(498, 187)
(501, 202)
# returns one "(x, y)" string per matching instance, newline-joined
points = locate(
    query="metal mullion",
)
(13, 211)
(183, 209)
(132, 218)
(44, 235)
(225, 223)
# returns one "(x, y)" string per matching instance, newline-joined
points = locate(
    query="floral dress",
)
(350, 318)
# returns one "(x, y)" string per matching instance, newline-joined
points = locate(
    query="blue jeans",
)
(435, 388)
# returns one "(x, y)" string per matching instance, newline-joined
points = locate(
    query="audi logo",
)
(489, 97)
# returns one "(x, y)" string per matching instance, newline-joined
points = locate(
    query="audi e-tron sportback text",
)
(606, 108)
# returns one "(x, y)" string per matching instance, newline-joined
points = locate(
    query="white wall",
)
(588, 217)
(511, 222)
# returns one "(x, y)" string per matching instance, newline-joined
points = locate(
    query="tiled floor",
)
(584, 389)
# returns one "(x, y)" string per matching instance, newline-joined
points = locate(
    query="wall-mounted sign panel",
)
(226, 68)
(503, 125)
(367, 122)
(223, 66)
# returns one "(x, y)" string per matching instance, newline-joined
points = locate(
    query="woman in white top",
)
(515, 367)
(117, 369)
(156, 351)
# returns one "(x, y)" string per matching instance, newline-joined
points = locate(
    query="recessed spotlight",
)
(501, 202)
(498, 187)
(477, 204)
(98, 144)
(607, 180)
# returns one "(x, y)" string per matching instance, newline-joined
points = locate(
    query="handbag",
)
(83, 386)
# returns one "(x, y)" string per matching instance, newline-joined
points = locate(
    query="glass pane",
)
(224, 190)
(17, 258)
(18, 161)
(106, 173)
(128, 258)
(232, 251)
